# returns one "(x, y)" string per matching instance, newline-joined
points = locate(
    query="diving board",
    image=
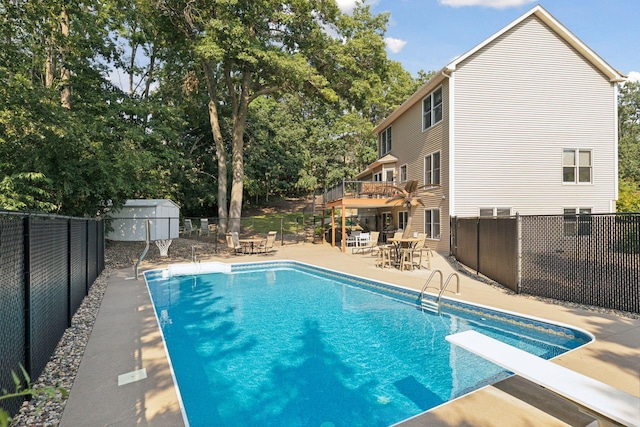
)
(607, 404)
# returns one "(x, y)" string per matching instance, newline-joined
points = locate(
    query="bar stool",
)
(384, 257)
(428, 254)
(406, 259)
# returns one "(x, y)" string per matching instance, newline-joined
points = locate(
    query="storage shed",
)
(129, 223)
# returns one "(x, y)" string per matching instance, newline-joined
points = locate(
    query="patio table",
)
(254, 243)
(409, 242)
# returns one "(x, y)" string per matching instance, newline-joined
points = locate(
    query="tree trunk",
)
(406, 234)
(65, 73)
(151, 69)
(239, 124)
(221, 153)
(50, 67)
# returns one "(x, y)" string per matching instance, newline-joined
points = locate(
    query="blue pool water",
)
(287, 344)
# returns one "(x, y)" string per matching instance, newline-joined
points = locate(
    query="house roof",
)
(611, 73)
(381, 161)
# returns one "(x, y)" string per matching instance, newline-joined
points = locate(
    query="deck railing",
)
(359, 189)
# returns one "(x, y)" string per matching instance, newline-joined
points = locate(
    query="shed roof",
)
(139, 203)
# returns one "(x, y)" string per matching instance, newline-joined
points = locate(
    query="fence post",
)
(478, 245)
(282, 231)
(69, 302)
(26, 232)
(518, 252)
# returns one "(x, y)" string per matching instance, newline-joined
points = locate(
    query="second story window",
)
(403, 173)
(432, 109)
(432, 169)
(385, 141)
(576, 166)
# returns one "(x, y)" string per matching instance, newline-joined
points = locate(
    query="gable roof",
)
(381, 161)
(538, 11)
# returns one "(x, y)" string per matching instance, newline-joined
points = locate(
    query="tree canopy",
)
(274, 97)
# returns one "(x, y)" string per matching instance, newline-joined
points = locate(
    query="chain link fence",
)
(591, 259)
(291, 227)
(47, 265)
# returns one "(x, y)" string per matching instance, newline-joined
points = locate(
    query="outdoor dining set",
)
(250, 245)
(404, 253)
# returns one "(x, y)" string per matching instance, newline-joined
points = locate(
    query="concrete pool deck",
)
(126, 340)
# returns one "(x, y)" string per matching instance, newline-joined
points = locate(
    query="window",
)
(403, 173)
(577, 221)
(432, 109)
(576, 166)
(491, 212)
(432, 169)
(389, 175)
(385, 141)
(432, 223)
(386, 220)
(377, 176)
(403, 217)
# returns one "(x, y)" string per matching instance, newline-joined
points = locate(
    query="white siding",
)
(518, 102)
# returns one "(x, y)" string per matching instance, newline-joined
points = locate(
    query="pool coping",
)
(118, 345)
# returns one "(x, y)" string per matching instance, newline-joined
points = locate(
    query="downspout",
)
(450, 198)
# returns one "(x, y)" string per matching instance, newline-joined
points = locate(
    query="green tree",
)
(247, 49)
(629, 147)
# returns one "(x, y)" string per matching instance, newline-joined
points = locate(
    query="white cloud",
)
(496, 4)
(347, 6)
(634, 76)
(394, 45)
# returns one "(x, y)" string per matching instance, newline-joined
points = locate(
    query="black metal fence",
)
(47, 266)
(589, 259)
(291, 227)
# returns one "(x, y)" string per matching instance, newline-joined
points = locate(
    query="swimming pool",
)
(289, 344)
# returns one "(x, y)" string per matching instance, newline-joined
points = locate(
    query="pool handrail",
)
(435, 306)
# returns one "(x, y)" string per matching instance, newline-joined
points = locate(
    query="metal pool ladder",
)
(434, 306)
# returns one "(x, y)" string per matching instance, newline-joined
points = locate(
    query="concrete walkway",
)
(126, 340)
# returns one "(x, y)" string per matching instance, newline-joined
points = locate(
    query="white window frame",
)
(430, 176)
(403, 218)
(377, 176)
(432, 113)
(576, 166)
(575, 224)
(402, 174)
(494, 212)
(385, 141)
(432, 229)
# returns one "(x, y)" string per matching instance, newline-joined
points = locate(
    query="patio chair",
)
(371, 244)
(204, 227)
(362, 239)
(233, 247)
(188, 228)
(267, 245)
(352, 238)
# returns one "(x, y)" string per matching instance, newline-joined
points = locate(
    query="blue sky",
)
(428, 34)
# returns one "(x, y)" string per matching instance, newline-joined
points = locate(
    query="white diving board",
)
(607, 404)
